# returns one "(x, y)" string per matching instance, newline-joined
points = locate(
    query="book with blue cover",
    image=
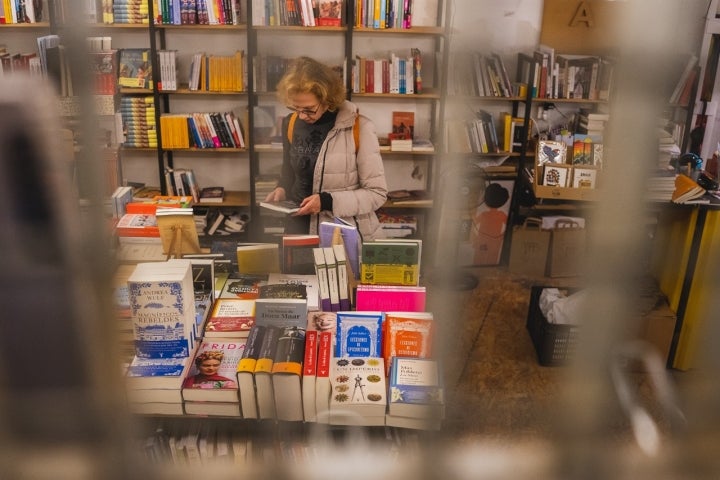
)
(358, 334)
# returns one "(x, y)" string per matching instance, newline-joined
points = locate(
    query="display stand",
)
(178, 232)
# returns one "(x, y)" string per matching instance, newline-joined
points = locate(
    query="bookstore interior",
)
(552, 216)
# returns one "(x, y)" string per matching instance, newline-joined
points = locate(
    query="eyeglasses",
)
(304, 110)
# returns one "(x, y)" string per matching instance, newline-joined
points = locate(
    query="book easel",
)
(183, 239)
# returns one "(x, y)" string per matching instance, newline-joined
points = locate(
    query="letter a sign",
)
(583, 14)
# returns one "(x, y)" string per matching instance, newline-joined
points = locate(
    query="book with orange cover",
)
(686, 189)
(407, 334)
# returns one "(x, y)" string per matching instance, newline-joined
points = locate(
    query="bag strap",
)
(532, 221)
(356, 129)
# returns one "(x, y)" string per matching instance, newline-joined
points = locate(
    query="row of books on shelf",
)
(201, 130)
(478, 74)
(560, 76)
(383, 13)
(21, 62)
(136, 126)
(200, 444)
(396, 74)
(218, 73)
(305, 13)
(13, 11)
(269, 369)
(203, 12)
(485, 134)
(331, 13)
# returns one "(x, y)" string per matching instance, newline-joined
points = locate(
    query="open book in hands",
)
(284, 206)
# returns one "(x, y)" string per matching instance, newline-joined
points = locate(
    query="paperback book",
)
(162, 305)
(359, 391)
(358, 334)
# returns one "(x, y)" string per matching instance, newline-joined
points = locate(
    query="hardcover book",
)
(263, 374)
(282, 305)
(312, 286)
(245, 373)
(287, 374)
(322, 376)
(230, 317)
(359, 391)
(212, 377)
(309, 374)
(358, 334)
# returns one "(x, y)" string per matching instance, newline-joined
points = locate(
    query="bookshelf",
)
(255, 104)
(411, 170)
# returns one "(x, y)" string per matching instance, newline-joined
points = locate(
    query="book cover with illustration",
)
(212, 376)
(358, 391)
(483, 233)
(135, 68)
(162, 305)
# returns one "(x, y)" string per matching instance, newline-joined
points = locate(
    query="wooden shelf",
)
(184, 90)
(428, 94)
(420, 30)
(565, 193)
(206, 150)
(232, 199)
(204, 27)
(296, 28)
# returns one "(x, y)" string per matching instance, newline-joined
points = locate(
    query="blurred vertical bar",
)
(62, 412)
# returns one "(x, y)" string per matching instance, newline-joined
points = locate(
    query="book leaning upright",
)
(162, 306)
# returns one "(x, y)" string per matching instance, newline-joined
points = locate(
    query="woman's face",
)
(308, 107)
(209, 366)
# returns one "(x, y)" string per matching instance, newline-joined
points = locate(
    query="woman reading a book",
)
(323, 169)
(208, 364)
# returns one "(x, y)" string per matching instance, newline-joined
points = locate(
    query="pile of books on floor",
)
(275, 346)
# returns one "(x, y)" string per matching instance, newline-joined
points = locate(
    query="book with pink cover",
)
(390, 297)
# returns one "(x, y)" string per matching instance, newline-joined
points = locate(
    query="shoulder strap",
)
(356, 129)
